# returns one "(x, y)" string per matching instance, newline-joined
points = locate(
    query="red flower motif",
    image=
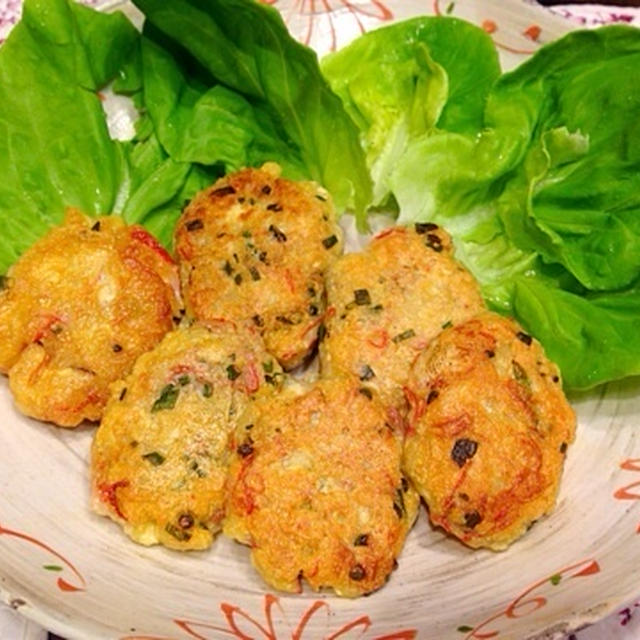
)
(274, 626)
(320, 16)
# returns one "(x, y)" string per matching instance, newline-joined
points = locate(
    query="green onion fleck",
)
(167, 398)
(362, 297)
(405, 335)
(329, 242)
(155, 458)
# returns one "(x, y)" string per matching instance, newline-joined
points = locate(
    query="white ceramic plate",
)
(76, 574)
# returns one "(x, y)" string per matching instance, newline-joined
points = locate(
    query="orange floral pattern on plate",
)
(530, 600)
(62, 583)
(627, 492)
(317, 12)
(243, 626)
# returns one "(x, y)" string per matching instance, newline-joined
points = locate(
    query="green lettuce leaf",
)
(403, 80)
(544, 203)
(576, 198)
(205, 123)
(593, 339)
(55, 149)
(246, 47)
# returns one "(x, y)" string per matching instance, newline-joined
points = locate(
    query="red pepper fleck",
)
(379, 339)
(144, 237)
(108, 495)
(489, 26)
(532, 32)
(48, 321)
(251, 378)
(387, 232)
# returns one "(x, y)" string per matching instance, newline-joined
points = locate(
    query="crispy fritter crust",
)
(489, 428)
(80, 306)
(253, 248)
(159, 458)
(389, 301)
(315, 489)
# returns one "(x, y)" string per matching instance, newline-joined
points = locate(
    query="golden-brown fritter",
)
(159, 458)
(389, 301)
(79, 307)
(253, 248)
(489, 428)
(316, 490)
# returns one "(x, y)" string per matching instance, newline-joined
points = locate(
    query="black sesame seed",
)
(274, 207)
(490, 353)
(563, 447)
(223, 191)
(277, 233)
(255, 274)
(366, 372)
(434, 242)
(463, 450)
(123, 393)
(185, 521)
(116, 348)
(96, 226)
(433, 394)
(329, 242)
(266, 189)
(362, 297)
(367, 393)
(423, 227)
(362, 540)
(312, 310)
(472, 519)
(245, 449)
(194, 225)
(357, 572)
(524, 337)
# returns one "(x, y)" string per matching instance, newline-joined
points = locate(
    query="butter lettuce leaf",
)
(406, 79)
(246, 48)
(544, 201)
(55, 148)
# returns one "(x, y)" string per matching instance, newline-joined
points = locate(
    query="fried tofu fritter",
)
(253, 249)
(160, 456)
(388, 302)
(489, 428)
(316, 490)
(80, 306)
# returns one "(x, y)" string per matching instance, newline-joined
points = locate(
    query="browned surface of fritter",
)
(389, 301)
(489, 428)
(80, 306)
(160, 455)
(316, 490)
(253, 249)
